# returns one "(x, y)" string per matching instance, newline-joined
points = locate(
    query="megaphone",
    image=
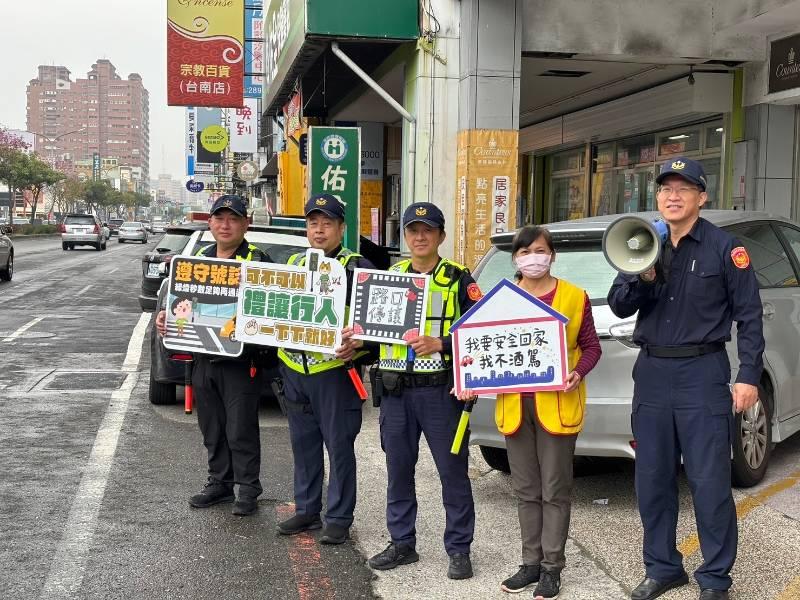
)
(632, 245)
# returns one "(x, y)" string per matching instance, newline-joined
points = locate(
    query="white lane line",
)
(82, 290)
(22, 329)
(69, 563)
(113, 271)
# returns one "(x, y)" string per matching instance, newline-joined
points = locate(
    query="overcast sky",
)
(132, 35)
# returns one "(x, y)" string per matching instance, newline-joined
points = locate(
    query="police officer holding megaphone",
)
(688, 280)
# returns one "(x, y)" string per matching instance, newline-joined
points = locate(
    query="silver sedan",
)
(132, 231)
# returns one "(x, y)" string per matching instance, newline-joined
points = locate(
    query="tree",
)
(95, 195)
(12, 148)
(66, 194)
(35, 175)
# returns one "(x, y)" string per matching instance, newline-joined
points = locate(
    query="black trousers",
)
(226, 398)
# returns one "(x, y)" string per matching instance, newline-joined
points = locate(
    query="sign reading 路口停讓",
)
(510, 342)
(388, 306)
(205, 53)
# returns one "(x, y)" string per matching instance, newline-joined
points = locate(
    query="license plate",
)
(152, 270)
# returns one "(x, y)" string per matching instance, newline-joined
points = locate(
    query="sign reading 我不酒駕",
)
(287, 24)
(294, 307)
(205, 53)
(334, 157)
(784, 64)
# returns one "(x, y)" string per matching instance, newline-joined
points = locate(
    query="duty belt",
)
(682, 351)
(394, 382)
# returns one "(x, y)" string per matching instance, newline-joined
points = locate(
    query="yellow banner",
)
(208, 18)
(371, 197)
(486, 189)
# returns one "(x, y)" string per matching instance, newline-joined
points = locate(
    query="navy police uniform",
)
(682, 402)
(323, 407)
(416, 399)
(226, 393)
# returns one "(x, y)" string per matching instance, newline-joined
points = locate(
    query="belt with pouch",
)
(682, 351)
(395, 381)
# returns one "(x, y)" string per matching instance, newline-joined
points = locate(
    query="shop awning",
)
(297, 50)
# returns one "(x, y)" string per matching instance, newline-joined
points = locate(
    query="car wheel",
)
(64, 246)
(7, 273)
(119, 241)
(497, 458)
(71, 246)
(752, 443)
(161, 393)
(98, 246)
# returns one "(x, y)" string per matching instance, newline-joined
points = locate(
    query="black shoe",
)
(244, 506)
(526, 576)
(549, 585)
(394, 556)
(299, 524)
(334, 534)
(213, 492)
(709, 594)
(460, 566)
(650, 588)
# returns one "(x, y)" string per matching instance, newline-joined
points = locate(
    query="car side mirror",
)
(105, 224)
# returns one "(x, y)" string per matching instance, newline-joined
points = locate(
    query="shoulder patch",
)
(474, 292)
(740, 257)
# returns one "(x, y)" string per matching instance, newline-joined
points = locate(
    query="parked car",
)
(132, 231)
(168, 367)
(82, 230)
(114, 225)
(6, 254)
(774, 248)
(173, 242)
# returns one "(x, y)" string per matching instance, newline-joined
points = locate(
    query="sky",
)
(132, 35)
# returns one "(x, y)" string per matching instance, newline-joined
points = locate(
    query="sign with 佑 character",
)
(293, 307)
(388, 307)
(334, 156)
(201, 305)
(510, 342)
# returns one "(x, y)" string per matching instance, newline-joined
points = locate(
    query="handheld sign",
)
(201, 305)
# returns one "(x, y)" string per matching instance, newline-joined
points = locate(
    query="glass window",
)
(714, 137)
(567, 197)
(604, 155)
(604, 201)
(711, 166)
(792, 236)
(767, 254)
(681, 142)
(571, 160)
(636, 190)
(637, 150)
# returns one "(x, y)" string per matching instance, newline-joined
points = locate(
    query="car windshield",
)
(173, 242)
(131, 224)
(585, 267)
(115, 221)
(79, 220)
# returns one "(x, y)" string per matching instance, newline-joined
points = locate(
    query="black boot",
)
(299, 524)
(460, 566)
(394, 556)
(213, 492)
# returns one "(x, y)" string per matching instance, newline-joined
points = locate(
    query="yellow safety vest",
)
(310, 363)
(559, 413)
(250, 248)
(443, 309)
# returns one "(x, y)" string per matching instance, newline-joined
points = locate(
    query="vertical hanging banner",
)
(486, 183)
(191, 140)
(371, 172)
(205, 53)
(244, 127)
(334, 160)
(253, 49)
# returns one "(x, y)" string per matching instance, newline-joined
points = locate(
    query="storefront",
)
(601, 173)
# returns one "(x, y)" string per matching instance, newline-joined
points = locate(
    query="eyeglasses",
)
(681, 191)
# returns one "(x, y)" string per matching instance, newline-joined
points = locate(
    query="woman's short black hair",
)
(177, 301)
(529, 234)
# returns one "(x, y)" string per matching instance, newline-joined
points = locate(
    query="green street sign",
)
(334, 158)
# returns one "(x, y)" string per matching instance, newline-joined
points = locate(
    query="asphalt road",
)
(95, 480)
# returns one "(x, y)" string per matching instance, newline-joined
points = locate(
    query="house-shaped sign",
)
(510, 342)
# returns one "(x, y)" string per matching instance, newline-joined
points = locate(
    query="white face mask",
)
(533, 265)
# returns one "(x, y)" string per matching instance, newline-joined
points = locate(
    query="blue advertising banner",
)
(253, 49)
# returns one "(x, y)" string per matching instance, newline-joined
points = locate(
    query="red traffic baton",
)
(355, 377)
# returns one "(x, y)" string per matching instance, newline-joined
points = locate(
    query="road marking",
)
(792, 591)
(310, 577)
(82, 290)
(69, 562)
(113, 271)
(744, 507)
(22, 329)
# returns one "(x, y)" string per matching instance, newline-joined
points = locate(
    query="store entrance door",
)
(636, 190)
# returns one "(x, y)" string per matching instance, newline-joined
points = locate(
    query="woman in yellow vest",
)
(541, 429)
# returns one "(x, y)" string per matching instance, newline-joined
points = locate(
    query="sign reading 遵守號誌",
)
(293, 307)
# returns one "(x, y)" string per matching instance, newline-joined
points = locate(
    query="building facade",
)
(102, 114)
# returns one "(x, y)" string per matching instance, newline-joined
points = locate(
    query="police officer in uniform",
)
(322, 404)
(415, 399)
(682, 402)
(226, 389)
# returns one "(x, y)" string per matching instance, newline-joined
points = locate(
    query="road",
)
(96, 479)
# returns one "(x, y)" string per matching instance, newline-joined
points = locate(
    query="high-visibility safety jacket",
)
(310, 363)
(251, 249)
(443, 309)
(559, 413)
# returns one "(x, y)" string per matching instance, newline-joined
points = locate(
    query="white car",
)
(132, 231)
(774, 248)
